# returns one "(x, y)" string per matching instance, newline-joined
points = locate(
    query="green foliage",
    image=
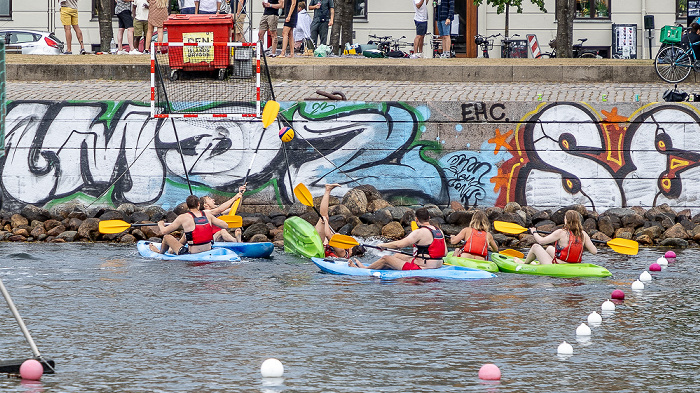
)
(518, 4)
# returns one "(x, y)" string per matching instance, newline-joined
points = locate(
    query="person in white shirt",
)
(421, 20)
(303, 29)
(140, 11)
(207, 6)
(187, 7)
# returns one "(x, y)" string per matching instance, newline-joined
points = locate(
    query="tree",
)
(341, 32)
(104, 16)
(504, 6)
(565, 27)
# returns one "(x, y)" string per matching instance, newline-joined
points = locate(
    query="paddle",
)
(346, 242)
(512, 253)
(270, 112)
(623, 246)
(118, 226)
(304, 196)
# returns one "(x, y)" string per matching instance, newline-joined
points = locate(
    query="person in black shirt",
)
(268, 23)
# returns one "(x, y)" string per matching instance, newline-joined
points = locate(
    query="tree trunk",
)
(341, 32)
(565, 27)
(507, 30)
(104, 16)
(337, 22)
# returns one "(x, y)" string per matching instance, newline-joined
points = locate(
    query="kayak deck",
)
(446, 272)
(213, 255)
(508, 265)
(488, 266)
(248, 250)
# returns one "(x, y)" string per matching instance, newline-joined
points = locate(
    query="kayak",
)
(472, 263)
(508, 265)
(248, 250)
(213, 255)
(446, 272)
(301, 238)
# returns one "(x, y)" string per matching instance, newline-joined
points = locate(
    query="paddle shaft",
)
(593, 240)
(387, 249)
(20, 322)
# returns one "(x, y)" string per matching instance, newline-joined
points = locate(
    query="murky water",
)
(115, 322)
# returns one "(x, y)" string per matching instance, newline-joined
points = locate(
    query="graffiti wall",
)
(480, 154)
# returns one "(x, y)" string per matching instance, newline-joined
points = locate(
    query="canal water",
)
(116, 322)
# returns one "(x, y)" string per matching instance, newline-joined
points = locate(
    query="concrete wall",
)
(601, 155)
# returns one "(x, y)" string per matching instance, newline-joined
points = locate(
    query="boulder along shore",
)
(362, 212)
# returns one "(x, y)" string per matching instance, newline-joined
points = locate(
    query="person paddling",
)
(207, 204)
(477, 239)
(323, 227)
(429, 247)
(197, 225)
(569, 243)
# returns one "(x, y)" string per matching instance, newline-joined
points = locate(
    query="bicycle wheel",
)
(672, 64)
(587, 55)
(543, 56)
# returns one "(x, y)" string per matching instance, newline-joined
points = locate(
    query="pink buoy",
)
(489, 372)
(670, 255)
(654, 267)
(617, 294)
(31, 369)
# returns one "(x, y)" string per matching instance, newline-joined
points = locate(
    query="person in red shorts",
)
(429, 247)
(477, 239)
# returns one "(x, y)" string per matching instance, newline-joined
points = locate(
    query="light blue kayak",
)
(213, 255)
(248, 250)
(446, 272)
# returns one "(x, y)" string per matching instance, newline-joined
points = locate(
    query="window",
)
(681, 9)
(5, 8)
(592, 9)
(360, 11)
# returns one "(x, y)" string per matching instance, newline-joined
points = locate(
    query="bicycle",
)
(486, 43)
(578, 50)
(674, 62)
(512, 48)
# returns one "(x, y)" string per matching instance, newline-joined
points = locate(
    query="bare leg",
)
(160, 34)
(322, 227)
(69, 37)
(224, 236)
(120, 38)
(273, 50)
(149, 37)
(79, 36)
(169, 242)
(284, 40)
(291, 42)
(237, 233)
(130, 38)
(538, 252)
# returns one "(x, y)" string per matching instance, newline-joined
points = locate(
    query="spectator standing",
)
(157, 14)
(324, 12)
(290, 22)
(303, 29)
(268, 23)
(420, 18)
(69, 17)
(126, 22)
(140, 10)
(239, 21)
(444, 16)
(207, 6)
(187, 7)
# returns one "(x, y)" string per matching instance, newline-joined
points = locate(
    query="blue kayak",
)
(213, 255)
(447, 272)
(248, 250)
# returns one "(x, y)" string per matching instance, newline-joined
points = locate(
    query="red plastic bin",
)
(199, 28)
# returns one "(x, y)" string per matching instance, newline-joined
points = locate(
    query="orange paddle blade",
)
(270, 112)
(342, 241)
(303, 194)
(114, 226)
(233, 221)
(512, 253)
(508, 227)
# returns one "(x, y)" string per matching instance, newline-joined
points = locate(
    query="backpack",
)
(674, 95)
(396, 53)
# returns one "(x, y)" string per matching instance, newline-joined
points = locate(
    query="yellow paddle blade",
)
(508, 227)
(234, 207)
(512, 253)
(233, 221)
(624, 246)
(113, 226)
(414, 225)
(272, 108)
(342, 241)
(303, 194)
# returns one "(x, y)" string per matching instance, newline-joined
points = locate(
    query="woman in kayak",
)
(569, 243)
(477, 239)
(323, 227)
(429, 248)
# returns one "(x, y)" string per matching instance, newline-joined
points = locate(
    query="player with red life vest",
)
(197, 225)
(477, 239)
(569, 243)
(429, 247)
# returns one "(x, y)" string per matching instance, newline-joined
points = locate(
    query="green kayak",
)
(301, 238)
(489, 266)
(508, 265)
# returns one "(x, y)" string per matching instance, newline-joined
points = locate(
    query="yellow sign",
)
(198, 54)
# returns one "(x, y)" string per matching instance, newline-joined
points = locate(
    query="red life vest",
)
(330, 253)
(572, 253)
(477, 243)
(435, 250)
(203, 230)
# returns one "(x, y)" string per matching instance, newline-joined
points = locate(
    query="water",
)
(115, 322)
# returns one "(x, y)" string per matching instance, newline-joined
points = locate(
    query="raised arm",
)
(216, 221)
(492, 243)
(589, 244)
(462, 235)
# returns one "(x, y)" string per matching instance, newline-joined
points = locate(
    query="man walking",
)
(69, 17)
(420, 18)
(324, 13)
(444, 15)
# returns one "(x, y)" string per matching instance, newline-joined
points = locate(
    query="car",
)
(31, 42)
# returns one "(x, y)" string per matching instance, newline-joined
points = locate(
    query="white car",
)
(31, 42)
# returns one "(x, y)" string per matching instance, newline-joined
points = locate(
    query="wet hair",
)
(422, 215)
(358, 250)
(192, 202)
(480, 221)
(573, 223)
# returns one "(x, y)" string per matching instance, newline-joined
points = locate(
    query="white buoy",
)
(645, 276)
(272, 368)
(608, 306)
(595, 318)
(583, 330)
(565, 349)
(638, 285)
(662, 261)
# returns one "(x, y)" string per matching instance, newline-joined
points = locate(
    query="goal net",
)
(220, 79)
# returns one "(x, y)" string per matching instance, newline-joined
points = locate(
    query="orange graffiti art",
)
(500, 140)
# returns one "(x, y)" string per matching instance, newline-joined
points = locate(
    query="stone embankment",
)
(363, 213)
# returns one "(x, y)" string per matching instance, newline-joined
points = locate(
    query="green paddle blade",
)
(508, 227)
(303, 194)
(270, 112)
(113, 226)
(342, 241)
(233, 221)
(512, 253)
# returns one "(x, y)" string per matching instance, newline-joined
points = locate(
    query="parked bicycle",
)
(578, 50)
(675, 60)
(387, 44)
(486, 43)
(512, 48)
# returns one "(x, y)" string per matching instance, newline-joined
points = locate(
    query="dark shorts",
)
(126, 21)
(207, 12)
(421, 27)
(187, 10)
(410, 266)
(292, 23)
(184, 250)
